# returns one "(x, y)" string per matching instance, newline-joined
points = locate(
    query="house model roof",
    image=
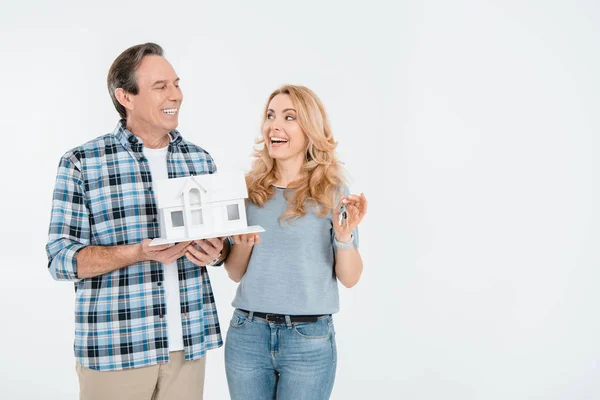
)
(221, 186)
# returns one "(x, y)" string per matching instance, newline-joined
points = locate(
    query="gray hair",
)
(122, 71)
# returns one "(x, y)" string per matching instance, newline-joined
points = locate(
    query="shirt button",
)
(150, 188)
(142, 159)
(154, 219)
(161, 315)
(159, 284)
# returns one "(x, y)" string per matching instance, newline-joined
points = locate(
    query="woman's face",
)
(283, 136)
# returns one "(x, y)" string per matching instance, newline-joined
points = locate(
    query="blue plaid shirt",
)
(103, 197)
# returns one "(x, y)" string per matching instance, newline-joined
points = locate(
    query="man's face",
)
(156, 106)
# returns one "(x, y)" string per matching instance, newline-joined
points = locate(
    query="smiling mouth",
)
(170, 111)
(275, 140)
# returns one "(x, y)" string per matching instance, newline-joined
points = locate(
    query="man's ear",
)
(124, 98)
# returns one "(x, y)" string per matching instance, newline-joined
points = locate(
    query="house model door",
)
(198, 218)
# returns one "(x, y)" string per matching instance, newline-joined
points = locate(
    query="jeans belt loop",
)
(288, 321)
(250, 316)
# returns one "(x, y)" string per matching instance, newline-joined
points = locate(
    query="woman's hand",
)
(247, 239)
(356, 209)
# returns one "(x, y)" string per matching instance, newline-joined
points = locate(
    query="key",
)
(343, 215)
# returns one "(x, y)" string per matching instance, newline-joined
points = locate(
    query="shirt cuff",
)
(64, 265)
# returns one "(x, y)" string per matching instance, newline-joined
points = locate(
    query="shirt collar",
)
(126, 138)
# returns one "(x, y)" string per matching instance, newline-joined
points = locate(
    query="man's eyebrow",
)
(162, 82)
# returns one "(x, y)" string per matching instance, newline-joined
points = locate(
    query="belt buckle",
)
(276, 318)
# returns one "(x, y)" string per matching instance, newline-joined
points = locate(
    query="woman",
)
(281, 341)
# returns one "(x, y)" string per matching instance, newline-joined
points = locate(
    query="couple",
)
(145, 316)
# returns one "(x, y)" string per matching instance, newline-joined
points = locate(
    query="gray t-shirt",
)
(291, 271)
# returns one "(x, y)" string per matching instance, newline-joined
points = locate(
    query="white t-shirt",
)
(157, 160)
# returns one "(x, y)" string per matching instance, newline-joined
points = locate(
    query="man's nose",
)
(175, 93)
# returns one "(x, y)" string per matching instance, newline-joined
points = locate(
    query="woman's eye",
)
(289, 118)
(269, 116)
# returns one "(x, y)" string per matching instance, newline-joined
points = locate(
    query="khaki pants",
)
(177, 380)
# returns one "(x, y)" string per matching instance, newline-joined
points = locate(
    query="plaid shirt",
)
(103, 197)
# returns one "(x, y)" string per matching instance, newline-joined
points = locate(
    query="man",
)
(144, 316)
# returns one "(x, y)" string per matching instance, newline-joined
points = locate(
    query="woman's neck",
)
(287, 171)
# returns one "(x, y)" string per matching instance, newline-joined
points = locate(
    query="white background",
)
(471, 127)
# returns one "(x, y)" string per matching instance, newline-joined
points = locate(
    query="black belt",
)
(280, 318)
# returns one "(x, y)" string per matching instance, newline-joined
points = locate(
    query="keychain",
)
(343, 215)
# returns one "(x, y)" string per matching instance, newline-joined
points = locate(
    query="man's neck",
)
(152, 139)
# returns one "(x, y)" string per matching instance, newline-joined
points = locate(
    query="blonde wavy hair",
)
(321, 178)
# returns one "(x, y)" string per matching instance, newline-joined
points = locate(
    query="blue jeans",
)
(267, 360)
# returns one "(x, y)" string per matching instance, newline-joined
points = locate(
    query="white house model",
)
(202, 206)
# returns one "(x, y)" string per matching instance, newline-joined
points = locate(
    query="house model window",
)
(195, 197)
(202, 206)
(233, 212)
(177, 219)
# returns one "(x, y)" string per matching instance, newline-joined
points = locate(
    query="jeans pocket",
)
(313, 330)
(238, 320)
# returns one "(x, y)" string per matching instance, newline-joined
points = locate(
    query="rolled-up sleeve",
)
(69, 222)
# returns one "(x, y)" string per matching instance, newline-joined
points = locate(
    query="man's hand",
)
(202, 252)
(164, 253)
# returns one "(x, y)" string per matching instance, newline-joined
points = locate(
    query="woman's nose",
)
(275, 125)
